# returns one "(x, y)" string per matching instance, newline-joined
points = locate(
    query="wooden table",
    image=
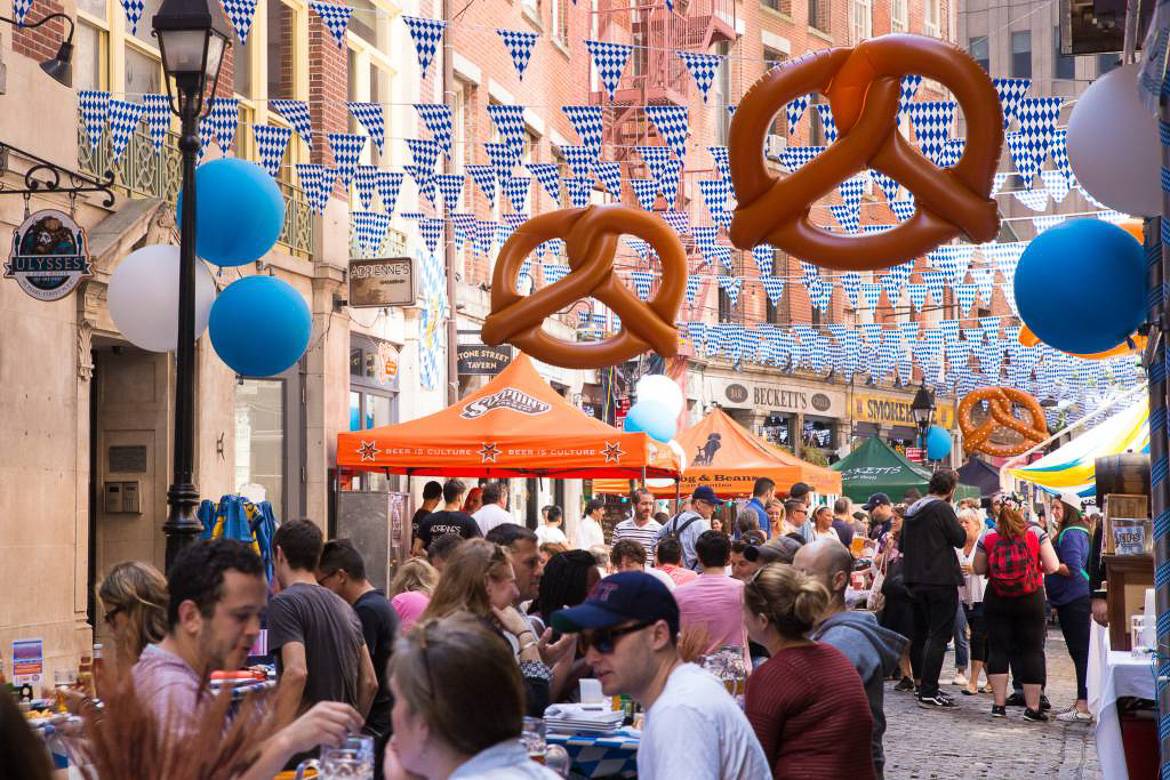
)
(1128, 577)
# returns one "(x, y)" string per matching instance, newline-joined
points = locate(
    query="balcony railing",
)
(145, 172)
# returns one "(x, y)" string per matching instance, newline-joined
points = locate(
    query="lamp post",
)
(192, 46)
(922, 408)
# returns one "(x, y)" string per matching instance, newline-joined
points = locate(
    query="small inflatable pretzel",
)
(863, 85)
(591, 236)
(1001, 401)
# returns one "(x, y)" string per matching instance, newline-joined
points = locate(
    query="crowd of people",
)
(491, 621)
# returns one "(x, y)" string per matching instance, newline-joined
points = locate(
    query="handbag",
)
(877, 599)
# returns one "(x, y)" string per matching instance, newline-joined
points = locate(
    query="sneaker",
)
(959, 679)
(1036, 716)
(905, 684)
(998, 712)
(1044, 703)
(1015, 700)
(938, 700)
(1073, 715)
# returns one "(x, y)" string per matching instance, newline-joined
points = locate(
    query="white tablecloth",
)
(1113, 674)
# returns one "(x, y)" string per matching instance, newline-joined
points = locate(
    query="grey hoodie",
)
(874, 651)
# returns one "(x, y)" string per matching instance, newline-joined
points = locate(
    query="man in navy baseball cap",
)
(629, 634)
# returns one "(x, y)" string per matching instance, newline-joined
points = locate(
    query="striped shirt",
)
(645, 535)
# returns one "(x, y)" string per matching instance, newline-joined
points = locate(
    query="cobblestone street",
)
(967, 742)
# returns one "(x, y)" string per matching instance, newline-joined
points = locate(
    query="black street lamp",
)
(922, 409)
(192, 44)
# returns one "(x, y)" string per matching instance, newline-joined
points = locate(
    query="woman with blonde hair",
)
(458, 705)
(806, 702)
(410, 591)
(479, 579)
(134, 602)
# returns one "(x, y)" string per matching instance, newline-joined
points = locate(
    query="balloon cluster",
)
(660, 402)
(259, 325)
(1080, 286)
(938, 443)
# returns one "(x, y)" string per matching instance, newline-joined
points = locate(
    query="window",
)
(90, 56)
(900, 16)
(260, 440)
(373, 396)
(1107, 62)
(281, 45)
(724, 306)
(1022, 54)
(1065, 66)
(860, 20)
(816, 135)
(145, 30)
(979, 50)
(780, 6)
(143, 72)
(723, 92)
(772, 58)
(932, 18)
(818, 14)
(560, 21)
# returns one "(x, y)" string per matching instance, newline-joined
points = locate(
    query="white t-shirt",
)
(489, 516)
(831, 533)
(590, 534)
(647, 535)
(662, 577)
(695, 729)
(550, 534)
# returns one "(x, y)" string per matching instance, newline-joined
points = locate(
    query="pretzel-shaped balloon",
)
(977, 438)
(863, 84)
(591, 236)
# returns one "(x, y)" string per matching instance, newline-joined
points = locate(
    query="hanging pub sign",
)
(480, 360)
(50, 255)
(385, 281)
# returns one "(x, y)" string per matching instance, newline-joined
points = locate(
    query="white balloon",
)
(1113, 145)
(661, 390)
(144, 297)
(678, 450)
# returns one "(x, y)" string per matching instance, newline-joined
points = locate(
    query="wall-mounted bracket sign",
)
(387, 281)
(50, 255)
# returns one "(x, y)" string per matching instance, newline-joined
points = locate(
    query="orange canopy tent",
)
(729, 459)
(515, 426)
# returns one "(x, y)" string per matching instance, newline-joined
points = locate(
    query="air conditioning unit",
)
(774, 146)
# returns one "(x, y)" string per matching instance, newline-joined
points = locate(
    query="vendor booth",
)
(876, 467)
(980, 474)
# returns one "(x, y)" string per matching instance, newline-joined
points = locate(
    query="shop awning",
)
(1073, 466)
(728, 458)
(515, 426)
(981, 474)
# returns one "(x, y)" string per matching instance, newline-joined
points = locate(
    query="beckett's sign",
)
(381, 282)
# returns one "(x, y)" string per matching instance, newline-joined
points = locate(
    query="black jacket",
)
(930, 534)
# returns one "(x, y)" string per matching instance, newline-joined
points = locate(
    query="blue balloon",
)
(1081, 286)
(260, 325)
(239, 211)
(654, 419)
(938, 443)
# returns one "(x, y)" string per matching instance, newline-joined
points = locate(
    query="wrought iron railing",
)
(146, 172)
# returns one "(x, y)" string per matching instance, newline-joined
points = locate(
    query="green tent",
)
(876, 467)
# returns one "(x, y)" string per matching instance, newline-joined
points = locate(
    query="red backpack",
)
(1013, 565)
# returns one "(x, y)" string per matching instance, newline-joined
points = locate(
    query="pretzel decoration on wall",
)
(591, 237)
(863, 84)
(1001, 402)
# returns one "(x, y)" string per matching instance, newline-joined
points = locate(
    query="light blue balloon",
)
(1081, 286)
(260, 326)
(654, 419)
(938, 443)
(239, 211)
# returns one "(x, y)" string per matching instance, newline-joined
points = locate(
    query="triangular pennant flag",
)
(794, 111)
(715, 193)
(519, 45)
(424, 153)
(484, 178)
(704, 236)
(1036, 200)
(240, 13)
(271, 143)
(347, 149)
(642, 281)
(463, 226)
(932, 126)
(124, 119)
(554, 272)
(671, 122)
(431, 230)
(296, 113)
(871, 292)
(335, 17)
(730, 285)
(820, 295)
(485, 236)
(157, 111)
(579, 189)
(827, 123)
(610, 175)
(1011, 92)
(702, 67)
(646, 191)
(909, 89)
(224, 118)
(1037, 117)
(793, 157)
(580, 159)
(693, 283)
(668, 179)
(640, 247)
(134, 10)
(509, 122)
(373, 119)
(426, 34)
(451, 188)
(888, 184)
(516, 188)
(610, 60)
(1058, 148)
(94, 106)
(848, 217)
(388, 183)
(547, 175)
(503, 159)
(1023, 154)
(965, 295)
(586, 122)
(1055, 184)
(679, 221)
(20, 9)
(917, 295)
(851, 284)
(365, 181)
(764, 255)
(773, 288)
(437, 118)
(317, 182)
(369, 228)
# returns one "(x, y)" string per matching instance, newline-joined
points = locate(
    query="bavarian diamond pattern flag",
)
(484, 178)
(764, 255)
(519, 45)
(579, 159)
(124, 119)
(794, 111)
(373, 120)
(94, 106)
(240, 13)
(388, 184)
(347, 150)
(296, 113)
(509, 121)
(827, 122)
(586, 122)
(426, 34)
(549, 178)
(610, 175)
(271, 143)
(157, 111)
(1011, 92)
(909, 89)
(610, 60)
(224, 119)
(133, 9)
(20, 9)
(932, 126)
(646, 191)
(365, 181)
(335, 17)
(702, 67)
(503, 159)
(437, 118)
(671, 122)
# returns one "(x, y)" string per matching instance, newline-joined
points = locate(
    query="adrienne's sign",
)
(382, 282)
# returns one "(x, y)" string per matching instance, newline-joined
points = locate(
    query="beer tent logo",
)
(49, 256)
(509, 398)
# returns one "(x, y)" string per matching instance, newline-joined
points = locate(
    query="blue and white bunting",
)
(373, 119)
(317, 182)
(463, 227)
(909, 88)
(1037, 117)
(730, 285)
(642, 281)
(503, 159)
(554, 272)
(646, 191)
(20, 9)
(485, 237)
(702, 67)
(678, 220)
(579, 158)
(94, 107)
(365, 181)
(271, 144)
(426, 34)
(124, 119)
(820, 294)
(580, 188)
(224, 118)
(424, 181)
(519, 45)
(370, 228)
(549, 178)
(388, 184)
(932, 121)
(764, 256)
(156, 109)
(965, 294)
(484, 178)
(828, 124)
(671, 122)
(240, 14)
(437, 118)
(347, 150)
(587, 123)
(516, 188)
(794, 111)
(509, 122)
(451, 188)
(903, 209)
(134, 10)
(851, 284)
(335, 17)
(773, 288)
(296, 113)
(693, 283)
(715, 193)
(431, 230)
(610, 60)
(848, 217)
(793, 157)
(1011, 92)
(610, 175)
(722, 160)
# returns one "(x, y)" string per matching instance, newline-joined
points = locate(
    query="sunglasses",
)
(603, 640)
